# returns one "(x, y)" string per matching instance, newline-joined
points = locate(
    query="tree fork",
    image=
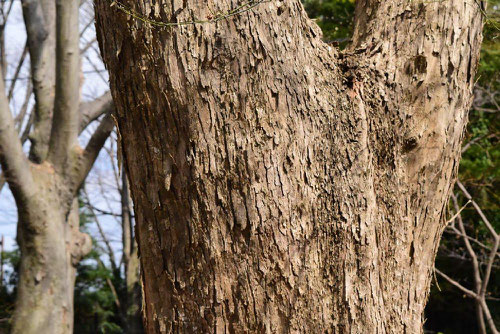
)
(282, 186)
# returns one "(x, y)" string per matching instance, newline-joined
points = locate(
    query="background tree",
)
(45, 183)
(281, 185)
(124, 281)
(102, 302)
(107, 299)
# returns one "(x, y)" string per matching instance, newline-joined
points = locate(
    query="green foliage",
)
(95, 307)
(8, 291)
(96, 311)
(334, 18)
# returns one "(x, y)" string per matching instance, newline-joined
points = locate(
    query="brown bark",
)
(282, 186)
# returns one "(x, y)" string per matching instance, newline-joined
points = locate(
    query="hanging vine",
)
(215, 17)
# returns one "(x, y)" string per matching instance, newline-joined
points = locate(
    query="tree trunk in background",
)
(46, 185)
(51, 246)
(131, 261)
(282, 186)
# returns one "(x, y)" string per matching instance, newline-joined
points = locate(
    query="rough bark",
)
(282, 186)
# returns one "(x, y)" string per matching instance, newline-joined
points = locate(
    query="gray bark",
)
(45, 186)
(51, 247)
(280, 185)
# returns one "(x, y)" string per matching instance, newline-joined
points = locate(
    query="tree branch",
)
(16, 73)
(23, 138)
(90, 111)
(109, 249)
(65, 123)
(40, 28)
(468, 292)
(91, 152)
(468, 246)
(478, 209)
(12, 157)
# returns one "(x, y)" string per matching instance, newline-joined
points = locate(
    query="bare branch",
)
(489, 318)
(480, 284)
(468, 292)
(93, 147)
(23, 138)
(65, 123)
(459, 211)
(12, 157)
(40, 29)
(475, 264)
(96, 69)
(111, 287)
(88, 45)
(478, 209)
(109, 249)
(453, 230)
(470, 250)
(473, 141)
(16, 73)
(5, 15)
(90, 111)
(87, 26)
(19, 120)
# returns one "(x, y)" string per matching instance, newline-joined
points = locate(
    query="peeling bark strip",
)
(280, 185)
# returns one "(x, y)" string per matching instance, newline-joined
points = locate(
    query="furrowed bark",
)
(281, 186)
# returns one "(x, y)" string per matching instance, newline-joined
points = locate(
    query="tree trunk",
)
(51, 246)
(45, 185)
(131, 261)
(282, 186)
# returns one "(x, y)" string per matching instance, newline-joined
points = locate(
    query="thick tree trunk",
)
(51, 246)
(281, 186)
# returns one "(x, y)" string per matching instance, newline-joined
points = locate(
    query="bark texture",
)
(282, 186)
